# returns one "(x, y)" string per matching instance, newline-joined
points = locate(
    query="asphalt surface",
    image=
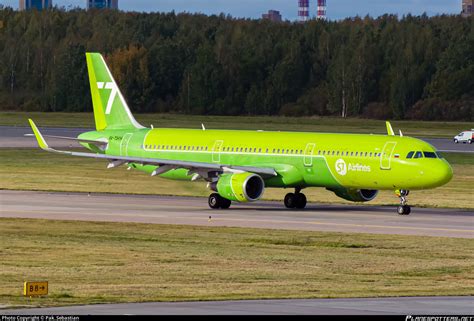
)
(398, 306)
(14, 137)
(271, 215)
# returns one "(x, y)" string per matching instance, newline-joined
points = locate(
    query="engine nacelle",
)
(356, 195)
(240, 187)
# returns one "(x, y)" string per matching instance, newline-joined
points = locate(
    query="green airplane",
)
(238, 165)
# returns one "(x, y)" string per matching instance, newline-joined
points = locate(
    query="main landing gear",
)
(404, 208)
(295, 200)
(216, 201)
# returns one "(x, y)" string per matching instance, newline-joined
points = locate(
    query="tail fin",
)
(110, 109)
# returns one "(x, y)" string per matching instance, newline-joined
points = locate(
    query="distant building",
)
(272, 15)
(467, 8)
(35, 4)
(102, 4)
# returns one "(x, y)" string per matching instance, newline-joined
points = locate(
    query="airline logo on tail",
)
(114, 90)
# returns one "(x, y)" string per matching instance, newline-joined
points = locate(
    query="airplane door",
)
(124, 144)
(386, 157)
(216, 151)
(308, 154)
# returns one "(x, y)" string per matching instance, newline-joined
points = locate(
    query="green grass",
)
(92, 262)
(33, 169)
(311, 124)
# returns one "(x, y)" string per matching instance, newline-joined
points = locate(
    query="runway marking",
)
(346, 224)
(86, 214)
(281, 222)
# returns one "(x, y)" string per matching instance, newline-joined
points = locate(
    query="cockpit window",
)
(410, 154)
(439, 155)
(418, 155)
(429, 155)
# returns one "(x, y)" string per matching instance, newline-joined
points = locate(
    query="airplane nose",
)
(443, 174)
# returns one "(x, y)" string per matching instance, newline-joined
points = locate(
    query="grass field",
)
(33, 169)
(315, 124)
(87, 262)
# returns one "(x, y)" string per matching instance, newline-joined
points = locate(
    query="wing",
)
(205, 170)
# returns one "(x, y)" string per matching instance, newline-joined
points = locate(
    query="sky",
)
(337, 9)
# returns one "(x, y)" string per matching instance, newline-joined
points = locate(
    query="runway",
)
(271, 215)
(14, 137)
(380, 306)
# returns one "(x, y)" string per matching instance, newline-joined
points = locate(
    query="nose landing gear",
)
(295, 200)
(404, 208)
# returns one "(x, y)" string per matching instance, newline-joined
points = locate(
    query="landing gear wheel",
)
(404, 210)
(300, 200)
(214, 201)
(225, 203)
(295, 200)
(290, 200)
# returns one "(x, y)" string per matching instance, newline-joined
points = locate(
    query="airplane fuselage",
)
(301, 159)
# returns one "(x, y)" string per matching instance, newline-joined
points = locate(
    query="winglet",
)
(39, 137)
(389, 129)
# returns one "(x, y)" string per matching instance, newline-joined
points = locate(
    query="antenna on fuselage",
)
(202, 125)
(400, 131)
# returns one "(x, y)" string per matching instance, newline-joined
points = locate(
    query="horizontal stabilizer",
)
(80, 140)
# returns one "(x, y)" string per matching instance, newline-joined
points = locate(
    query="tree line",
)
(414, 67)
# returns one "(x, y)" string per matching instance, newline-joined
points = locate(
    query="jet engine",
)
(240, 187)
(356, 195)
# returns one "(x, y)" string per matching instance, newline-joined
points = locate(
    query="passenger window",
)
(418, 155)
(410, 155)
(429, 154)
